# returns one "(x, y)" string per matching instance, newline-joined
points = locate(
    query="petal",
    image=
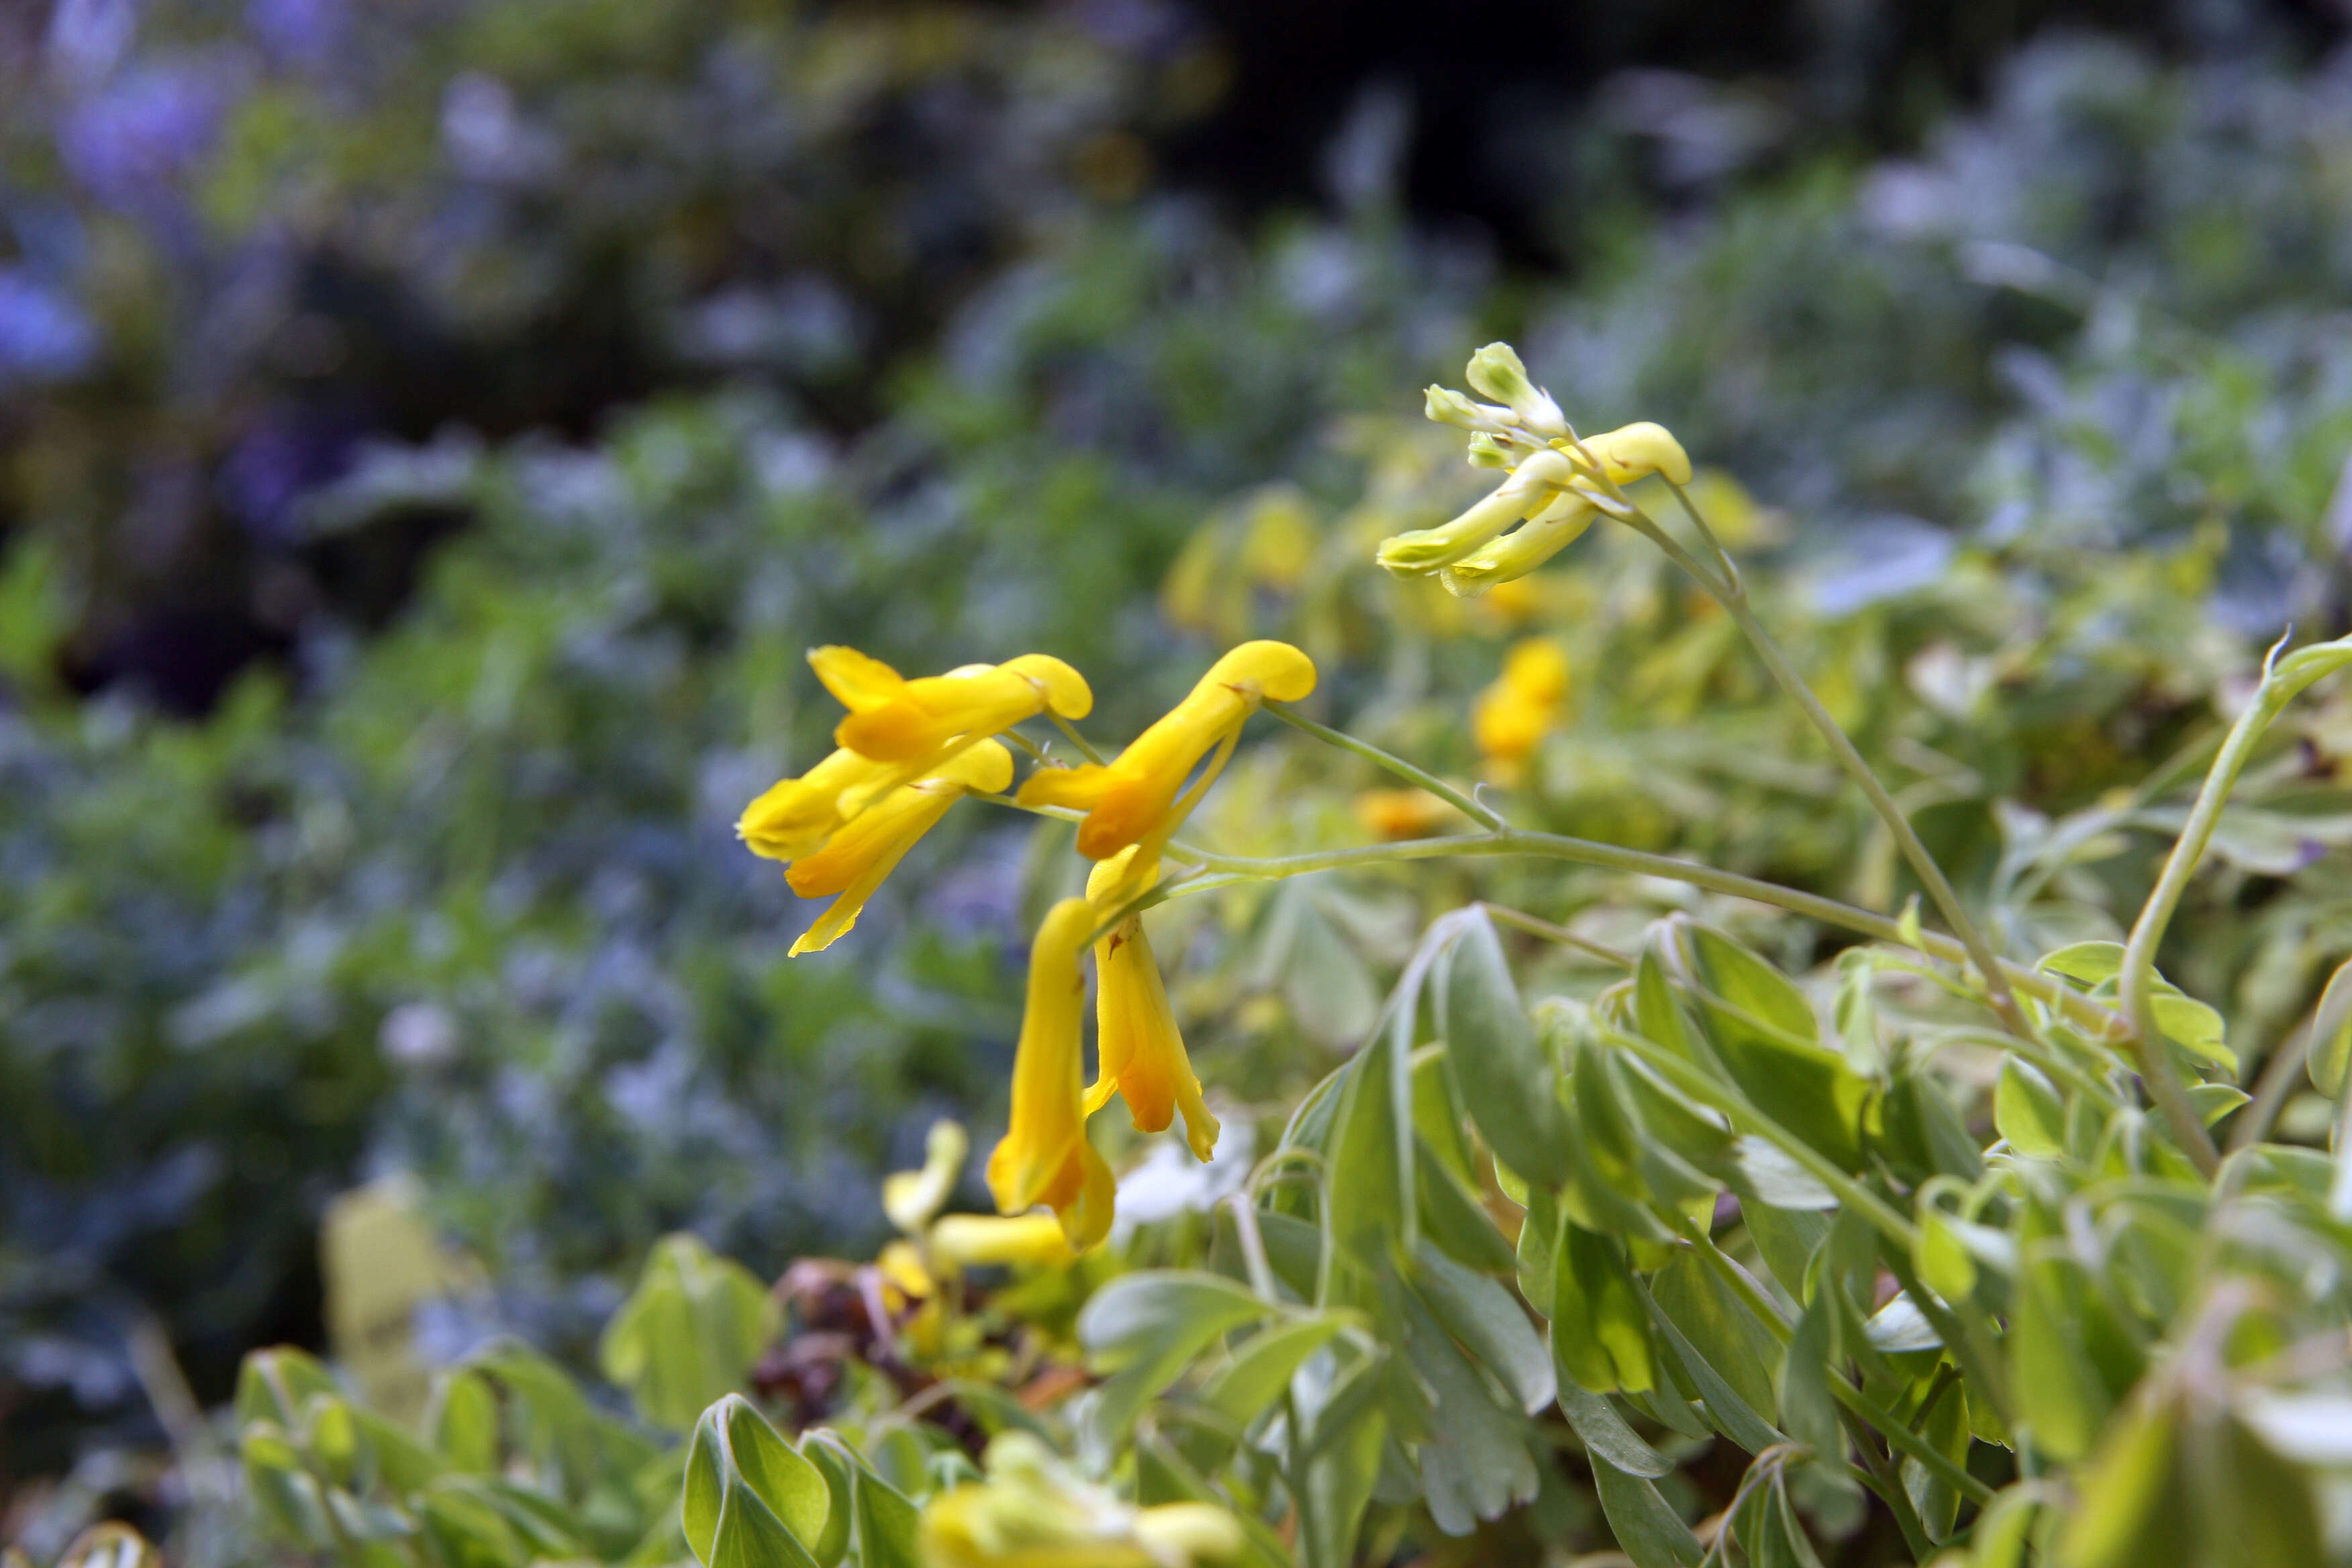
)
(1067, 692)
(857, 682)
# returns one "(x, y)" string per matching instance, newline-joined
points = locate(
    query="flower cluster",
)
(1555, 481)
(910, 749)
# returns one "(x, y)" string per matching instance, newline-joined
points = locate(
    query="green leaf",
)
(462, 1419)
(1263, 1367)
(1647, 1530)
(1509, 1084)
(1452, 1217)
(2331, 1034)
(1600, 1330)
(1372, 1189)
(1808, 1408)
(1475, 1463)
(1763, 1031)
(2089, 963)
(2053, 1387)
(2133, 1507)
(1945, 1429)
(688, 1332)
(1491, 1325)
(889, 1528)
(275, 1384)
(1144, 1329)
(838, 1464)
(1717, 1327)
(1340, 1480)
(749, 1499)
(1606, 1436)
(2028, 1111)
(1726, 1409)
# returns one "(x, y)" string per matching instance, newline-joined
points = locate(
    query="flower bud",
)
(1495, 371)
(1443, 406)
(1517, 553)
(1531, 488)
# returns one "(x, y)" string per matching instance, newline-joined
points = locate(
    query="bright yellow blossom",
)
(860, 854)
(983, 1240)
(1044, 1157)
(1034, 1512)
(1141, 1052)
(893, 720)
(1512, 716)
(1401, 813)
(795, 817)
(1135, 798)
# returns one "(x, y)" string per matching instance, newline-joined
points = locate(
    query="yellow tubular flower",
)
(1521, 551)
(1512, 715)
(796, 816)
(1532, 488)
(1034, 1511)
(1044, 1157)
(1130, 799)
(1636, 451)
(1141, 1053)
(1402, 813)
(893, 720)
(981, 1240)
(858, 855)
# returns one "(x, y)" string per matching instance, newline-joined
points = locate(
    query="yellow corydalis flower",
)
(893, 720)
(1044, 1157)
(860, 854)
(1512, 715)
(795, 817)
(1135, 798)
(1141, 1052)
(1397, 814)
(1033, 1512)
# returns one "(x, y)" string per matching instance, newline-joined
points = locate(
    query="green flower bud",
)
(1495, 371)
(1443, 406)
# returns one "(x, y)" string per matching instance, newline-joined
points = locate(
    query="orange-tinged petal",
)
(1044, 1157)
(795, 817)
(855, 861)
(1128, 799)
(1141, 1050)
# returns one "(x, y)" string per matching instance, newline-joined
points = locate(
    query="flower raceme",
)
(1135, 800)
(1556, 487)
(1044, 1157)
(1512, 715)
(893, 720)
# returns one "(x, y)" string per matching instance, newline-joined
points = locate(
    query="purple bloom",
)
(44, 336)
(283, 458)
(305, 33)
(131, 140)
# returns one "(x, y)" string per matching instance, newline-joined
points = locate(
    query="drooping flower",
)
(860, 854)
(1044, 1157)
(1140, 1049)
(1512, 716)
(1135, 799)
(1033, 1512)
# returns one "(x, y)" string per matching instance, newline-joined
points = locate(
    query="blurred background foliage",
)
(430, 434)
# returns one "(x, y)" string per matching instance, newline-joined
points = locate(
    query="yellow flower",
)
(1401, 813)
(795, 817)
(858, 855)
(1135, 798)
(893, 720)
(981, 1240)
(912, 1197)
(1044, 1157)
(1033, 1513)
(1554, 483)
(1141, 1053)
(1512, 715)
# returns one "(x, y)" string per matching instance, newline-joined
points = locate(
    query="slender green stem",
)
(1485, 815)
(1025, 743)
(1733, 596)
(1888, 1484)
(1067, 728)
(1534, 926)
(2271, 1090)
(1966, 1338)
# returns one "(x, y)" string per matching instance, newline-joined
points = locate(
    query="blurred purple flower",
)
(305, 33)
(283, 458)
(88, 37)
(44, 336)
(131, 140)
